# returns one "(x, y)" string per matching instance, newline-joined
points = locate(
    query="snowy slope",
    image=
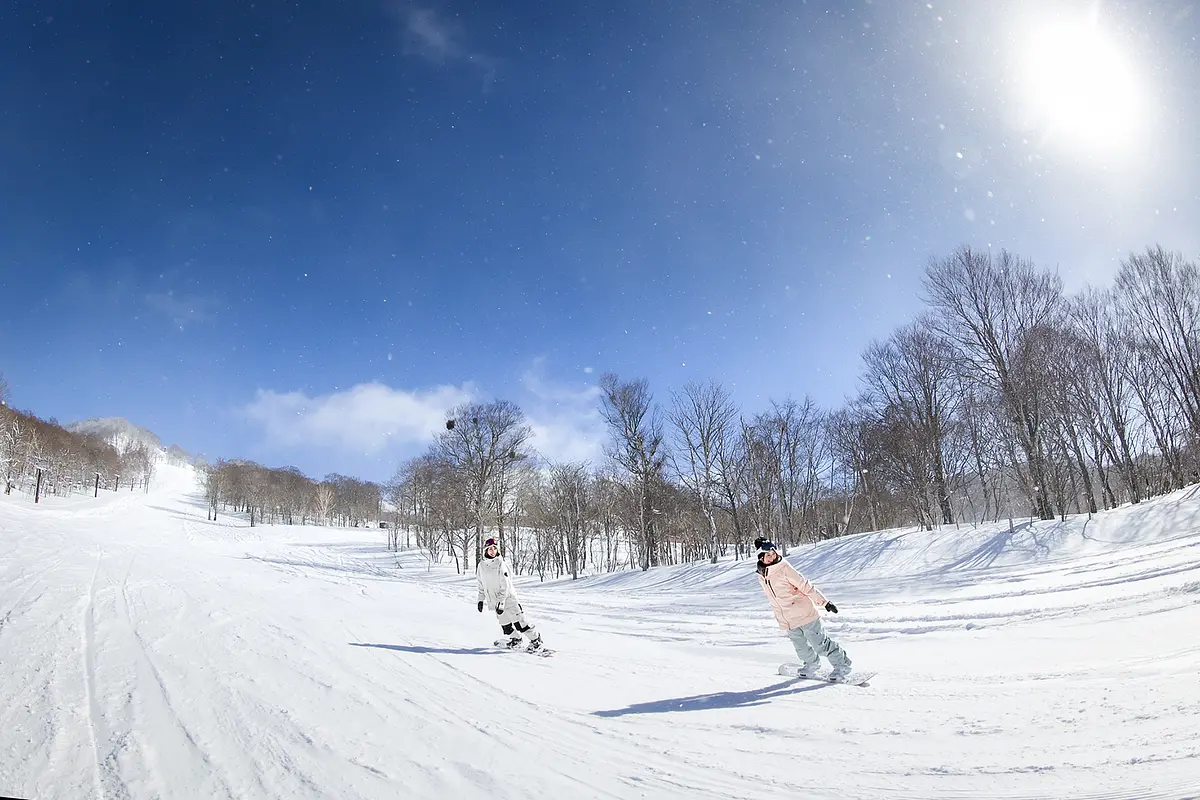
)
(146, 652)
(117, 431)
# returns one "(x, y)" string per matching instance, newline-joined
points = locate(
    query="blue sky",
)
(298, 232)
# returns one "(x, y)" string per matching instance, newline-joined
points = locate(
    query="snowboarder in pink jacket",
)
(795, 602)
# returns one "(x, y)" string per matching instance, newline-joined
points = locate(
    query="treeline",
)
(68, 462)
(679, 484)
(285, 495)
(1005, 398)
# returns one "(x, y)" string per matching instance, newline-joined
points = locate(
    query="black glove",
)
(830, 607)
(499, 609)
(480, 606)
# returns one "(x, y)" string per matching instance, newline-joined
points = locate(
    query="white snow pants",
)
(513, 619)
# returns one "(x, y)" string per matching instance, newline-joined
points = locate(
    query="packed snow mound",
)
(117, 431)
(150, 652)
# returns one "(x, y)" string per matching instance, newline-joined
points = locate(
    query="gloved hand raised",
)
(830, 607)
(480, 606)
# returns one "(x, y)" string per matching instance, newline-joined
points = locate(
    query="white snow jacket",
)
(495, 584)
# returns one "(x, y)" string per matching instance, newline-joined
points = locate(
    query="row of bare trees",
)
(468, 482)
(1006, 398)
(285, 495)
(67, 462)
(678, 484)
(1011, 398)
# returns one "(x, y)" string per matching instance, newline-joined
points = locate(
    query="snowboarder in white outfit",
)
(497, 593)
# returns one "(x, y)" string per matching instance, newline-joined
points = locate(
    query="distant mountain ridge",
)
(117, 431)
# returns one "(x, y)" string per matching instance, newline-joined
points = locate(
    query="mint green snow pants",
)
(811, 642)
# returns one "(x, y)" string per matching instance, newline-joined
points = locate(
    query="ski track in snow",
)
(150, 653)
(94, 718)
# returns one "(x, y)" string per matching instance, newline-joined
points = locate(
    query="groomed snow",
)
(148, 653)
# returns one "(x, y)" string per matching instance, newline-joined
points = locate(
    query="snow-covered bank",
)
(147, 652)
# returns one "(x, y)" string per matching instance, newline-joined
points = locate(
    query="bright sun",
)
(1080, 87)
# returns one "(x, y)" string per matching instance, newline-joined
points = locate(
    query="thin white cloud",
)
(430, 36)
(566, 421)
(440, 40)
(370, 418)
(182, 309)
(376, 420)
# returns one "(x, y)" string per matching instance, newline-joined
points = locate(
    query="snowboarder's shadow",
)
(416, 648)
(707, 702)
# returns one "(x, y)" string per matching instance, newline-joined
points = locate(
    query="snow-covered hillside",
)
(118, 432)
(148, 653)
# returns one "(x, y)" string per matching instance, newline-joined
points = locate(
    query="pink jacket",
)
(793, 599)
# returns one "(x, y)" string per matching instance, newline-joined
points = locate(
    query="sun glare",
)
(1079, 86)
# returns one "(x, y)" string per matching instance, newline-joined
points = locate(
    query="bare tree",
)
(1165, 424)
(991, 307)
(607, 492)
(12, 447)
(479, 443)
(1159, 293)
(857, 444)
(323, 496)
(703, 417)
(760, 468)
(732, 483)
(214, 475)
(911, 377)
(1104, 357)
(788, 451)
(421, 483)
(568, 507)
(137, 462)
(637, 448)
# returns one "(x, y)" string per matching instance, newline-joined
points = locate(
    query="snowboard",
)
(853, 679)
(544, 652)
